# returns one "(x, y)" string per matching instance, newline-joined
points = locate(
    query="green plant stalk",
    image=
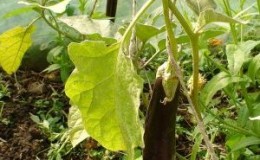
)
(232, 26)
(200, 124)
(170, 34)
(194, 37)
(195, 147)
(57, 29)
(93, 8)
(195, 55)
(133, 47)
(258, 5)
(181, 19)
(150, 59)
(195, 73)
(1, 109)
(56, 24)
(127, 34)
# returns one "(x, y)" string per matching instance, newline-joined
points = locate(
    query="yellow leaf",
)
(13, 45)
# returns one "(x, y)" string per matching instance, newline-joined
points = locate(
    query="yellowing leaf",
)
(13, 45)
(77, 130)
(106, 88)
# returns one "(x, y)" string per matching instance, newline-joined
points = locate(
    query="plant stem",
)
(201, 125)
(258, 5)
(133, 49)
(93, 8)
(232, 26)
(127, 34)
(57, 29)
(194, 39)
(150, 59)
(195, 54)
(194, 101)
(195, 62)
(172, 50)
(170, 34)
(181, 19)
(56, 24)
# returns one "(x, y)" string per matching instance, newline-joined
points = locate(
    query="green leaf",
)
(210, 15)
(253, 68)
(86, 26)
(52, 67)
(255, 118)
(35, 118)
(233, 140)
(56, 8)
(18, 11)
(145, 32)
(13, 45)
(106, 89)
(196, 147)
(242, 118)
(201, 5)
(245, 142)
(211, 33)
(54, 53)
(217, 83)
(75, 123)
(238, 54)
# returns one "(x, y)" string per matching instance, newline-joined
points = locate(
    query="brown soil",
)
(20, 137)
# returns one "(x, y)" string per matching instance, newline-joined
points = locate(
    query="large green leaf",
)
(77, 130)
(201, 5)
(255, 119)
(245, 142)
(13, 45)
(254, 68)
(85, 25)
(217, 83)
(145, 32)
(106, 89)
(210, 15)
(238, 54)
